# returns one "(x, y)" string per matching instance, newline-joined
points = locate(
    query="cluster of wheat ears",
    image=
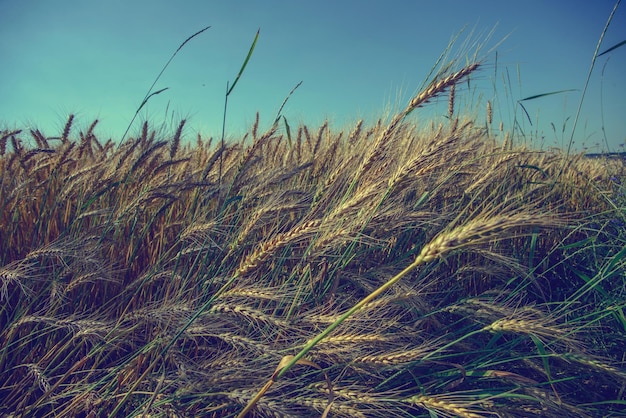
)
(398, 269)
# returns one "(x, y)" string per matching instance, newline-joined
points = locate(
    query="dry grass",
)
(138, 279)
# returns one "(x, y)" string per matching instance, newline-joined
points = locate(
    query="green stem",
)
(419, 260)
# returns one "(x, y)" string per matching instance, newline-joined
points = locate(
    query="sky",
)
(356, 60)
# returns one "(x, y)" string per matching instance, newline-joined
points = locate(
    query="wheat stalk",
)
(436, 87)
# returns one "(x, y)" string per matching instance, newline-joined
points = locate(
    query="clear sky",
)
(356, 59)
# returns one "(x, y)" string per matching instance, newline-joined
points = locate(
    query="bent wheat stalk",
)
(434, 89)
(482, 229)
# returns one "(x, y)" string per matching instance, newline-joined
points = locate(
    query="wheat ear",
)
(436, 87)
(263, 251)
(176, 140)
(444, 406)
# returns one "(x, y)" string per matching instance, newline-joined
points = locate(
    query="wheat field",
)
(420, 269)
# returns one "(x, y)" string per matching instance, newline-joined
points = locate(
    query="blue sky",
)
(356, 59)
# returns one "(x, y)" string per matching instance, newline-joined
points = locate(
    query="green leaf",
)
(525, 111)
(149, 96)
(421, 200)
(616, 259)
(544, 356)
(534, 167)
(277, 118)
(243, 67)
(612, 48)
(537, 96)
(582, 243)
(589, 281)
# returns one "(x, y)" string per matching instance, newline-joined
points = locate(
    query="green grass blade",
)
(280, 109)
(578, 244)
(544, 358)
(525, 112)
(617, 258)
(595, 285)
(148, 98)
(534, 167)
(245, 63)
(537, 96)
(613, 48)
(149, 94)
